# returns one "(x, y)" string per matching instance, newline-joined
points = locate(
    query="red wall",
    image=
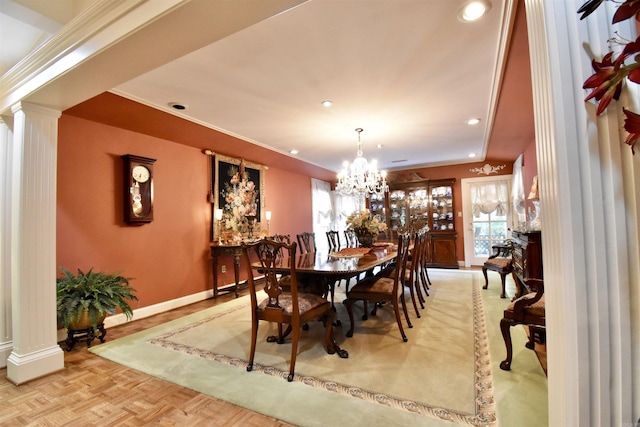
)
(169, 257)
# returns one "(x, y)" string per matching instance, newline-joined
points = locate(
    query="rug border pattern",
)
(484, 415)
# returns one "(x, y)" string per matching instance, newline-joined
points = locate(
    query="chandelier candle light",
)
(361, 178)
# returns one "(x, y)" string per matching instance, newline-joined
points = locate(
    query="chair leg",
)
(396, 309)
(419, 290)
(505, 328)
(404, 308)
(413, 299)
(294, 352)
(254, 338)
(486, 279)
(426, 282)
(503, 277)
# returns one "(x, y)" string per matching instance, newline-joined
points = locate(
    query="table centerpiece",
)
(366, 227)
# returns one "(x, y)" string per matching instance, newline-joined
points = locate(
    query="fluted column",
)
(588, 195)
(33, 244)
(6, 138)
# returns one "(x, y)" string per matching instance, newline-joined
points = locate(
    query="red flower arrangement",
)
(610, 73)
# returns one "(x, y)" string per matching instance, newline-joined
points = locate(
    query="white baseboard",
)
(5, 350)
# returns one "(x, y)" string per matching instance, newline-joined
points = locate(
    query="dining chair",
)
(424, 261)
(528, 310)
(351, 239)
(333, 237)
(307, 242)
(291, 307)
(383, 289)
(501, 261)
(411, 277)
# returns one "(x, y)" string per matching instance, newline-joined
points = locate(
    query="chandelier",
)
(361, 178)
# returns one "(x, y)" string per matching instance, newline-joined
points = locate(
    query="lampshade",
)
(218, 214)
(267, 215)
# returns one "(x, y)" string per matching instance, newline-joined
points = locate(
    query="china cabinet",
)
(377, 206)
(412, 205)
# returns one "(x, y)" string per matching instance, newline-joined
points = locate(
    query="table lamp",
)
(267, 216)
(219, 219)
(534, 217)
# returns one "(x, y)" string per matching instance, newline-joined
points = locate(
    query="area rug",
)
(441, 376)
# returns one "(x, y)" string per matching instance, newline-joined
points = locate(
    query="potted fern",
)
(83, 300)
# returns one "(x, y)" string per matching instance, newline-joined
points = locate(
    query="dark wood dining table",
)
(318, 272)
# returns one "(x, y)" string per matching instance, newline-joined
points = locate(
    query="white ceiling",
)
(406, 71)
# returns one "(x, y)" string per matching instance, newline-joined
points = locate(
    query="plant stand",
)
(88, 335)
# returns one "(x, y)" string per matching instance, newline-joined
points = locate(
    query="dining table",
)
(318, 272)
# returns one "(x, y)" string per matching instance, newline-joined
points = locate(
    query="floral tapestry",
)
(239, 188)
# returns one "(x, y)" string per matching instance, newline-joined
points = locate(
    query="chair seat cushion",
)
(382, 285)
(499, 263)
(306, 302)
(535, 309)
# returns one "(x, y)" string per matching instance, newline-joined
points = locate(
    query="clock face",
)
(140, 173)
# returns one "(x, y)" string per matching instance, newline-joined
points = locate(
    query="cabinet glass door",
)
(418, 201)
(397, 210)
(376, 206)
(442, 208)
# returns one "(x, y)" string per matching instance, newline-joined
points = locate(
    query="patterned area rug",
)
(442, 376)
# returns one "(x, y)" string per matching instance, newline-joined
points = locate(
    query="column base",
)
(23, 368)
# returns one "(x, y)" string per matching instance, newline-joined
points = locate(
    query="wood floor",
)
(92, 391)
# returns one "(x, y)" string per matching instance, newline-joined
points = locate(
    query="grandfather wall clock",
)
(138, 189)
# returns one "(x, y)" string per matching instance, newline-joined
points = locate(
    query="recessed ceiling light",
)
(293, 151)
(474, 10)
(379, 146)
(177, 106)
(472, 154)
(327, 103)
(473, 121)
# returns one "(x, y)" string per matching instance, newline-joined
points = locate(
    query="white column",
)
(590, 228)
(33, 244)
(6, 142)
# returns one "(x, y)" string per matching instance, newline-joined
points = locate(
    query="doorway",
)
(486, 216)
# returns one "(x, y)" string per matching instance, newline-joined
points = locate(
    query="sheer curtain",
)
(517, 190)
(322, 208)
(343, 206)
(489, 197)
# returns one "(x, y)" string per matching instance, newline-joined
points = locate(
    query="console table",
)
(218, 250)
(527, 258)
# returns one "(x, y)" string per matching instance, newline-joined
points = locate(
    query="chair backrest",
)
(333, 237)
(307, 242)
(282, 238)
(404, 241)
(269, 254)
(417, 252)
(352, 240)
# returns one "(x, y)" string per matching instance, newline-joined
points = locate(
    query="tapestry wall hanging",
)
(239, 192)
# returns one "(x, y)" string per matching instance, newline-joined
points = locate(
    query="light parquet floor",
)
(92, 391)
